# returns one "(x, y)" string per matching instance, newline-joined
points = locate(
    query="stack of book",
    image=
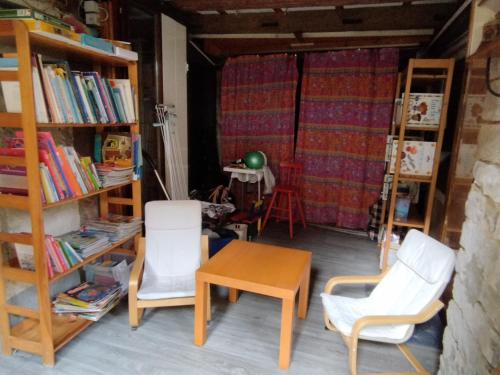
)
(72, 97)
(64, 174)
(61, 256)
(111, 174)
(86, 243)
(115, 227)
(88, 300)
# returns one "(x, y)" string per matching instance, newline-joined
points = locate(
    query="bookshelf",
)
(429, 77)
(41, 332)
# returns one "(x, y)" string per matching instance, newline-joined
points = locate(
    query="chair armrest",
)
(380, 320)
(339, 280)
(204, 249)
(136, 274)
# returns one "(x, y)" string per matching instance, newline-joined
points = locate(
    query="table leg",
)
(233, 295)
(304, 292)
(200, 313)
(286, 332)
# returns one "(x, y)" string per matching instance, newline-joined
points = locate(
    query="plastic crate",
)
(115, 267)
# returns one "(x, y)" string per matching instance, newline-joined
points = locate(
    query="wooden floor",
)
(243, 338)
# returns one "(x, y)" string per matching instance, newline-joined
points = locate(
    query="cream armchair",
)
(167, 258)
(407, 294)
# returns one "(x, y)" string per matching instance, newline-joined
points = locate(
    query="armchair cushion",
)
(173, 249)
(343, 312)
(167, 287)
(430, 259)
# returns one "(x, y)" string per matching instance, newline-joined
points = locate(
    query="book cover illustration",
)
(417, 158)
(425, 110)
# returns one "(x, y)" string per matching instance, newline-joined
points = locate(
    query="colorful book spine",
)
(49, 194)
(68, 172)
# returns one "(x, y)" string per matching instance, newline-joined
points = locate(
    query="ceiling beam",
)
(195, 5)
(234, 47)
(359, 19)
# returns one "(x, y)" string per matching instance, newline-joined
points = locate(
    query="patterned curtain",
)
(346, 109)
(258, 107)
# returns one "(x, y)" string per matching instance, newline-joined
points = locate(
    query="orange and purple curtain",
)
(258, 107)
(345, 114)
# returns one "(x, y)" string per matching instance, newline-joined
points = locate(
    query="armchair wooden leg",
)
(353, 355)
(134, 312)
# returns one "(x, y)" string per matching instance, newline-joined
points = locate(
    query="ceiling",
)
(234, 27)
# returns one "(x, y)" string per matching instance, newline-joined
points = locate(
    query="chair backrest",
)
(173, 238)
(423, 269)
(291, 173)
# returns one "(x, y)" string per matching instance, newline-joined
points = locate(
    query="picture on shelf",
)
(417, 158)
(425, 109)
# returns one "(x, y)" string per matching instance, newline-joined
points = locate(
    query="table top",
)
(271, 270)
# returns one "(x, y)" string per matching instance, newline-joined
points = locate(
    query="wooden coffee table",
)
(269, 270)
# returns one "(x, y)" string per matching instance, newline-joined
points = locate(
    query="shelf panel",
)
(77, 50)
(430, 76)
(74, 199)
(13, 161)
(413, 221)
(93, 257)
(19, 202)
(424, 179)
(9, 75)
(420, 128)
(10, 120)
(67, 125)
(64, 328)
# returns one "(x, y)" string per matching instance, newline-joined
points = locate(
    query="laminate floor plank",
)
(243, 338)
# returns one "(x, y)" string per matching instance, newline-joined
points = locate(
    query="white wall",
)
(481, 14)
(175, 80)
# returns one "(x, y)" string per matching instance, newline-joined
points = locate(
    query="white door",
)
(175, 86)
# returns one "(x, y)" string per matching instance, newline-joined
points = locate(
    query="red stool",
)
(285, 194)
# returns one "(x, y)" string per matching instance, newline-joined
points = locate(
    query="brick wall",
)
(471, 342)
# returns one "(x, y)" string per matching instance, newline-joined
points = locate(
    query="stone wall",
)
(471, 342)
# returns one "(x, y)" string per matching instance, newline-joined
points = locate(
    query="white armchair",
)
(167, 259)
(407, 294)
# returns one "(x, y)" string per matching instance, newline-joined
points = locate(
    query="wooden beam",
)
(346, 19)
(196, 5)
(235, 47)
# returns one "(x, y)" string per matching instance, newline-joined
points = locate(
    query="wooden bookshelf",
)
(40, 331)
(68, 125)
(91, 194)
(441, 71)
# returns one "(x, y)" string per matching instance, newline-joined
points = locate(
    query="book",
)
(99, 43)
(425, 109)
(126, 53)
(52, 31)
(127, 97)
(49, 95)
(417, 157)
(28, 14)
(26, 258)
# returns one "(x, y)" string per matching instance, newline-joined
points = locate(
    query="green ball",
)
(254, 160)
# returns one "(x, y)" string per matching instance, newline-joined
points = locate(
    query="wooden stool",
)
(287, 194)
